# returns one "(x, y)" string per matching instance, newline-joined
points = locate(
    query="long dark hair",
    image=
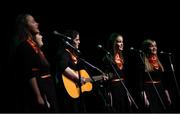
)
(72, 34)
(111, 40)
(21, 33)
(21, 28)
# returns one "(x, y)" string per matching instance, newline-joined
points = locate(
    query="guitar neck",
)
(94, 78)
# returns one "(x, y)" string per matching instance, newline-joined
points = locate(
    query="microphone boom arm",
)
(109, 57)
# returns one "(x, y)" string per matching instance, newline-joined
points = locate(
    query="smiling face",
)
(119, 45)
(150, 47)
(153, 48)
(76, 41)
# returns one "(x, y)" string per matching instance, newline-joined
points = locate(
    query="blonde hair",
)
(148, 67)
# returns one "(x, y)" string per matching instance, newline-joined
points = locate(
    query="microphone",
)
(166, 53)
(77, 50)
(62, 35)
(101, 47)
(66, 42)
(136, 50)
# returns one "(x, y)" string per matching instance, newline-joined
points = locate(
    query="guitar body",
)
(73, 88)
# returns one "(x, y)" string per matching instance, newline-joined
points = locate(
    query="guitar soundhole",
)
(77, 85)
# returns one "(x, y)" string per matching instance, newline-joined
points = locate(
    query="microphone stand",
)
(75, 49)
(173, 72)
(79, 82)
(149, 75)
(101, 94)
(91, 65)
(109, 57)
(82, 106)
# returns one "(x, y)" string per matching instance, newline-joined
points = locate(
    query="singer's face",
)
(153, 48)
(119, 43)
(76, 41)
(32, 24)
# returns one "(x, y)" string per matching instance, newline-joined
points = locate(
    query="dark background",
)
(95, 21)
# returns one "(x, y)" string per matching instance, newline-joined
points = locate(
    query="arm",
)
(27, 71)
(63, 66)
(72, 75)
(34, 85)
(31, 71)
(168, 96)
(165, 80)
(145, 99)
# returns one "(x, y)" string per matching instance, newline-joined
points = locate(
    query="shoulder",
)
(24, 48)
(62, 53)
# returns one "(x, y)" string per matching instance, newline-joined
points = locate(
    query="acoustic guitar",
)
(73, 88)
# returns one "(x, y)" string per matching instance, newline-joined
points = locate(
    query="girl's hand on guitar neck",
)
(105, 77)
